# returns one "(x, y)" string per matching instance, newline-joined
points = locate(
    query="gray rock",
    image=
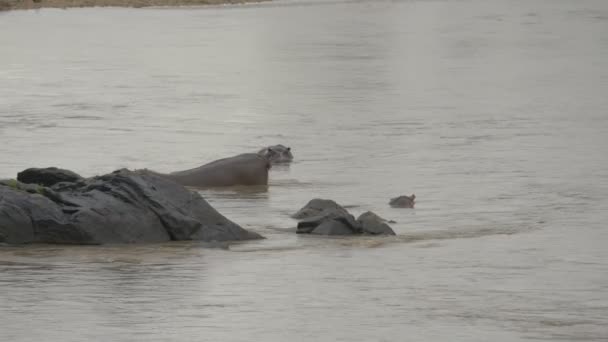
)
(25, 217)
(15, 223)
(333, 227)
(344, 217)
(318, 207)
(121, 207)
(47, 176)
(15, 184)
(374, 224)
(326, 217)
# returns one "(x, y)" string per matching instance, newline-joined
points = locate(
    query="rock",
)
(374, 224)
(309, 224)
(47, 176)
(31, 188)
(332, 227)
(15, 223)
(333, 219)
(24, 216)
(403, 201)
(319, 207)
(121, 207)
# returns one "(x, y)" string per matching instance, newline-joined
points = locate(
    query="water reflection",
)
(468, 104)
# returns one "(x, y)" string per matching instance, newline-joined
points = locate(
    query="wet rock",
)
(403, 201)
(24, 217)
(374, 224)
(121, 207)
(333, 227)
(15, 223)
(15, 184)
(333, 219)
(309, 224)
(319, 207)
(47, 176)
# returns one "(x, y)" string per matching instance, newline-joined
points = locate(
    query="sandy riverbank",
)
(33, 4)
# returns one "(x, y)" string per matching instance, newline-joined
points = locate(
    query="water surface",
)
(493, 112)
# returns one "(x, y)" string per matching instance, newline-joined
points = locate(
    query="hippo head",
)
(403, 201)
(277, 154)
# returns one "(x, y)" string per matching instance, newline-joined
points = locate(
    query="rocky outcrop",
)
(326, 217)
(47, 176)
(120, 207)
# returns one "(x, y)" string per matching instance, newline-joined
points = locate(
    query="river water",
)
(493, 112)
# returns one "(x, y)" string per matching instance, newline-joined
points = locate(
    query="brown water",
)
(495, 113)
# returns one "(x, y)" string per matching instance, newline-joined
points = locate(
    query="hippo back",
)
(243, 169)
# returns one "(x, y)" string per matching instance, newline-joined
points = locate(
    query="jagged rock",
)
(318, 207)
(120, 207)
(326, 217)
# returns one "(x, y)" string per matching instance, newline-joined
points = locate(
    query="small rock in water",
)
(318, 207)
(374, 224)
(311, 224)
(326, 217)
(332, 227)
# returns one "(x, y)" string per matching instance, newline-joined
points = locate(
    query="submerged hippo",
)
(244, 169)
(403, 201)
(277, 154)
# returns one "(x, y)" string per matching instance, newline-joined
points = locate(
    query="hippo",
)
(403, 201)
(243, 169)
(277, 154)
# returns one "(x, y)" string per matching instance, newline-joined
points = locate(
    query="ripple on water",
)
(457, 101)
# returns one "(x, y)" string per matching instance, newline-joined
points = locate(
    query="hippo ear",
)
(270, 153)
(413, 196)
(288, 149)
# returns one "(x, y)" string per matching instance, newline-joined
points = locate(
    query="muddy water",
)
(492, 112)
